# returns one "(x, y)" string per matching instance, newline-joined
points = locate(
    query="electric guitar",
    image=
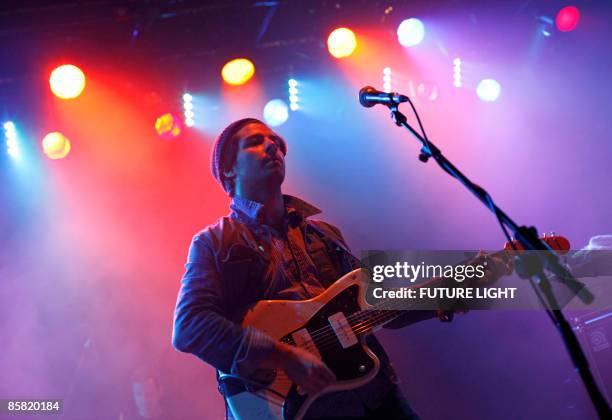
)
(331, 326)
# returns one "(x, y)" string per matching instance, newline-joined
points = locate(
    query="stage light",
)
(567, 18)
(387, 79)
(428, 91)
(168, 126)
(275, 112)
(457, 72)
(10, 134)
(545, 25)
(55, 145)
(410, 32)
(67, 81)
(488, 90)
(341, 42)
(188, 110)
(293, 95)
(238, 71)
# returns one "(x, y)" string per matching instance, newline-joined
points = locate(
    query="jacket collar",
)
(251, 210)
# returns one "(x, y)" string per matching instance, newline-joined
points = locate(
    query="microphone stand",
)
(528, 267)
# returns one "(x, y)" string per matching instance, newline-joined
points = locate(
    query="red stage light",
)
(567, 18)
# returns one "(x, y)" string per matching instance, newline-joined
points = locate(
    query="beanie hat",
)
(220, 160)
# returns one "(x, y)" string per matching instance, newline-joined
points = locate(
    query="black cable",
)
(416, 114)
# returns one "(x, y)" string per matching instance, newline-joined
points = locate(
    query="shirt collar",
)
(252, 210)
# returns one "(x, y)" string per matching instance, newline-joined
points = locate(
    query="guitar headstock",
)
(559, 243)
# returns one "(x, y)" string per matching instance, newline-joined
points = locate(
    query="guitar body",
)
(321, 326)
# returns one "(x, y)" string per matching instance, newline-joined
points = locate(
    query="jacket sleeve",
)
(201, 326)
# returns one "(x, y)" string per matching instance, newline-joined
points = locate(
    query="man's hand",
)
(497, 265)
(308, 372)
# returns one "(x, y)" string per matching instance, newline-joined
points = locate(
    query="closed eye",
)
(278, 141)
(253, 140)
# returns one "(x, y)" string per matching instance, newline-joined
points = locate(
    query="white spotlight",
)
(387, 79)
(488, 90)
(457, 72)
(410, 32)
(188, 110)
(275, 112)
(10, 134)
(293, 95)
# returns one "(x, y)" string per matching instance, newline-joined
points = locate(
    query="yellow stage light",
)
(67, 81)
(168, 126)
(341, 42)
(238, 71)
(55, 145)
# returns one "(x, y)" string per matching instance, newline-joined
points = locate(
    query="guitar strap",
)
(350, 262)
(325, 232)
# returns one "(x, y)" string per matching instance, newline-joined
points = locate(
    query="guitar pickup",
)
(302, 339)
(342, 329)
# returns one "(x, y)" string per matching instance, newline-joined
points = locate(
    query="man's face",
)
(259, 158)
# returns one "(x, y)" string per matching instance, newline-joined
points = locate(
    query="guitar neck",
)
(389, 309)
(385, 311)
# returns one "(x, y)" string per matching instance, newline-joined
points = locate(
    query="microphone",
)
(368, 97)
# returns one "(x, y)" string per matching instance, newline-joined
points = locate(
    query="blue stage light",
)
(10, 134)
(276, 112)
(293, 95)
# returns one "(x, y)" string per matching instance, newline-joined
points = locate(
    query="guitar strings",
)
(369, 316)
(325, 338)
(360, 322)
(384, 306)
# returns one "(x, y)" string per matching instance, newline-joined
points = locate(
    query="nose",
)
(271, 147)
